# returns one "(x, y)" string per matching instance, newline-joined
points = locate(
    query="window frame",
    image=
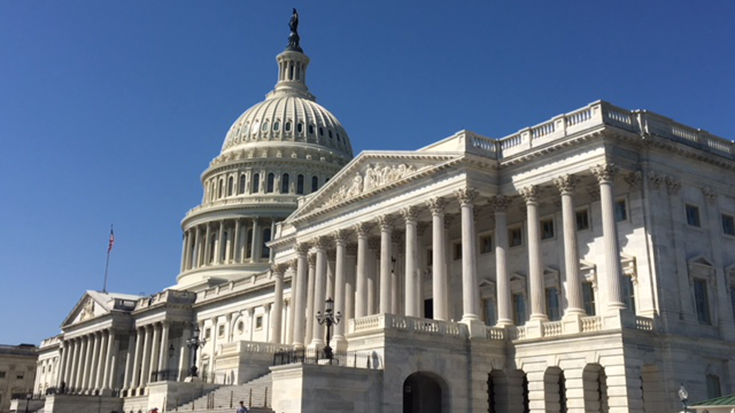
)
(626, 209)
(542, 223)
(481, 243)
(586, 211)
(731, 218)
(511, 230)
(694, 208)
(704, 318)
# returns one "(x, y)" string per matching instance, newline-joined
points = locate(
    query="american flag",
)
(112, 240)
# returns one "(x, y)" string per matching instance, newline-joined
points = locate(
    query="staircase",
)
(225, 399)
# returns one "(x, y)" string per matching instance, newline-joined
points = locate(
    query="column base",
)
(475, 327)
(504, 323)
(316, 345)
(339, 343)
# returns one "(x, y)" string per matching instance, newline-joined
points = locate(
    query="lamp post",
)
(683, 396)
(330, 319)
(194, 343)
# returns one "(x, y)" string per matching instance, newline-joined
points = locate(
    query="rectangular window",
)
(221, 331)
(732, 301)
(489, 312)
(207, 333)
(552, 304)
(583, 220)
(701, 300)
(628, 292)
(457, 251)
(2, 374)
(519, 309)
(588, 295)
(19, 376)
(621, 210)
(429, 257)
(259, 322)
(692, 215)
(547, 229)
(713, 386)
(728, 224)
(486, 244)
(515, 237)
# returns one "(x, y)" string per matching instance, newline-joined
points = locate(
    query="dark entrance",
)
(429, 308)
(421, 394)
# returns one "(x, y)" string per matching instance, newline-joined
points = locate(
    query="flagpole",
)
(107, 266)
(107, 263)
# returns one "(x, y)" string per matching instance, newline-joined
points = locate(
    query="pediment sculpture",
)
(87, 310)
(373, 177)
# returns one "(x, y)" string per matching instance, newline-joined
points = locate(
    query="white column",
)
(163, 352)
(605, 174)
(64, 350)
(293, 266)
(255, 243)
(184, 356)
(195, 260)
(155, 344)
(565, 184)
(236, 243)
(101, 361)
(184, 244)
(207, 246)
(130, 362)
(93, 363)
(439, 275)
(373, 275)
(505, 313)
(82, 363)
(70, 363)
(470, 286)
(317, 339)
(409, 215)
(384, 222)
(310, 312)
(277, 313)
(108, 377)
(340, 240)
(220, 241)
(361, 273)
(300, 295)
(145, 364)
(395, 272)
(535, 265)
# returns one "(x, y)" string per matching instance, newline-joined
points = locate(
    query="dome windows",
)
(256, 183)
(311, 129)
(300, 128)
(265, 127)
(241, 184)
(330, 134)
(276, 125)
(230, 185)
(288, 126)
(300, 184)
(314, 183)
(270, 183)
(254, 129)
(285, 184)
(221, 189)
(321, 131)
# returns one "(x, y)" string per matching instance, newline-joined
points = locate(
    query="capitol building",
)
(583, 264)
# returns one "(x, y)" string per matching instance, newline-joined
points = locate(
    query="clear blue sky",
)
(110, 110)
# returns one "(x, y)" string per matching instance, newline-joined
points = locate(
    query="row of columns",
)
(88, 363)
(148, 355)
(309, 286)
(238, 247)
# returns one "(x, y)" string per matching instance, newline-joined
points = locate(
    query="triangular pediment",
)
(371, 173)
(93, 304)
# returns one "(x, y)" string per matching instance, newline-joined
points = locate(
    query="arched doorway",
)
(422, 394)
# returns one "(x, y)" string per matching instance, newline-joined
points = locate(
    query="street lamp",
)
(194, 343)
(683, 396)
(330, 319)
(171, 351)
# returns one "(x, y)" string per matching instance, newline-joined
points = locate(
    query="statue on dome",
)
(293, 38)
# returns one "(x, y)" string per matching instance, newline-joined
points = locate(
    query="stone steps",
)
(225, 399)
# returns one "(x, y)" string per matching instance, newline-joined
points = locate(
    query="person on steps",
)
(242, 408)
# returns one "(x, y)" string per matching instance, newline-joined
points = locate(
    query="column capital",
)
(312, 260)
(331, 255)
(530, 194)
(410, 213)
(385, 222)
(499, 203)
(302, 248)
(673, 185)
(466, 196)
(320, 242)
(293, 263)
(566, 183)
(709, 194)
(352, 249)
(279, 268)
(436, 205)
(604, 172)
(594, 191)
(340, 236)
(362, 229)
(634, 179)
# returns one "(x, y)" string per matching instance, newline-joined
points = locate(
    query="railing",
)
(592, 323)
(253, 347)
(517, 333)
(167, 375)
(643, 323)
(397, 322)
(354, 359)
(552, 328)
(495, 333)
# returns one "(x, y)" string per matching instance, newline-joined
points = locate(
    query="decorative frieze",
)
(634, 180)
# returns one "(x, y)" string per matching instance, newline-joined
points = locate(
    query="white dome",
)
(288, 118)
